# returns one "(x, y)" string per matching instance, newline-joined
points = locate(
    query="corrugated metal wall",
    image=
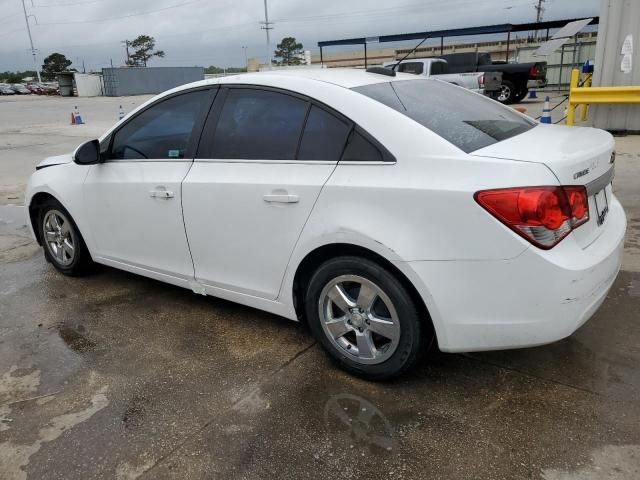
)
(120, 82)
(618, 18)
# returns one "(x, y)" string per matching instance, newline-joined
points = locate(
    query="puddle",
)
(75, 340)
(359, 419)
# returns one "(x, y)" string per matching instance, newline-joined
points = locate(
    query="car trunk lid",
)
(576, 156)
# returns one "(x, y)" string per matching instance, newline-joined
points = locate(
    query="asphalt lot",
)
(118, 376)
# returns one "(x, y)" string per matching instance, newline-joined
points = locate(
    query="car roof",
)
(342, 77)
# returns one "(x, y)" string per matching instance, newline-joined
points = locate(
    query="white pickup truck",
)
(485, 83)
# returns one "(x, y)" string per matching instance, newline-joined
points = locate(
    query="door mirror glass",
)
(88, 153)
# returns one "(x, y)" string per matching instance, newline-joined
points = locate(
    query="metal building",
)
(125, 81)
(617, 62)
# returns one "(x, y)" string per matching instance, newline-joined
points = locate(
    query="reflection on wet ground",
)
(118, 376)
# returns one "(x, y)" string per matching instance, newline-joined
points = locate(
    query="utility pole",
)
(33, 50)
(126, 46)
(539, 11)
(246, 59)
(266, 26)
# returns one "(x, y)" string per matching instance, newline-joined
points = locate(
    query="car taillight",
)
(481, 81)
(533, 71)
(542, 215)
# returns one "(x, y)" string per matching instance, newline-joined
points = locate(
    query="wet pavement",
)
(118, 376)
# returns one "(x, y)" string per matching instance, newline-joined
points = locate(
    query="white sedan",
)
(384, 210)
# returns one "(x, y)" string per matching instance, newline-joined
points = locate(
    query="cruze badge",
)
(581, 173)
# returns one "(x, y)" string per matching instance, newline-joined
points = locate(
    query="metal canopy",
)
(458, 32)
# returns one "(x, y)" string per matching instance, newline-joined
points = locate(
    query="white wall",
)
(88, 85)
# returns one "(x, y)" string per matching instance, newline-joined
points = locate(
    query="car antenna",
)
(412, 50)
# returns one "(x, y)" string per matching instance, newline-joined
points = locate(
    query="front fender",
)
(64, 182)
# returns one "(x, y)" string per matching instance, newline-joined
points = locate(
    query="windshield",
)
(466, 119)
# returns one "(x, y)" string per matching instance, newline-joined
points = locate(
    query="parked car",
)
(35, 88)
(385, 210)
(6, 90)
(517, 78)
(20, 89)
(485, 83)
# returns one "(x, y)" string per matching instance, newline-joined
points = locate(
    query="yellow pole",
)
(571, 110)
(583, 107)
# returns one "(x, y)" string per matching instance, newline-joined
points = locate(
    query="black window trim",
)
(198, 127)
(205, 144)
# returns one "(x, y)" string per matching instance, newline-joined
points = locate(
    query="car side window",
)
(324, 137)
(412, 67)
(359, 149)
(163, 131)
(439, 68)
(259, 124)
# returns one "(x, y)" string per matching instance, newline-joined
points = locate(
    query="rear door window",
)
(466, 119)
(325, 136)
(359, 149)
(259, 124)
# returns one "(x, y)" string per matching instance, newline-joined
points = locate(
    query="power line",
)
(101, 20)
(69, 4)
(388, 10)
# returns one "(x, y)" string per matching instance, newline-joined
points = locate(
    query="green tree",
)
(289, 52)
(15, 77)
(143, 50)
(213, 70)
(54, 63)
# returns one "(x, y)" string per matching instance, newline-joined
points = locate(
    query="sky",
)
(214, 32)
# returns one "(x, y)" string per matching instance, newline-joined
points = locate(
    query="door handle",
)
(281, 196)
(161, 192)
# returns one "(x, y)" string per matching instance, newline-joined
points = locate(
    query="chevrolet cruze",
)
(386, 211)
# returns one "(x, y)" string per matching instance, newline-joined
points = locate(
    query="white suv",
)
(384, 210)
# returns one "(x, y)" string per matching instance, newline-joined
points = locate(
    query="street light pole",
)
(33, 50)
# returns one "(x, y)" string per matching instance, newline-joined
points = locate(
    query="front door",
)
(134, 198)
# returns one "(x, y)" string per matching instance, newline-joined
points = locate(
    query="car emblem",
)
(581, 173)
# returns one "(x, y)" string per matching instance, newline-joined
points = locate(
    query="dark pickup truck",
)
(517, 78)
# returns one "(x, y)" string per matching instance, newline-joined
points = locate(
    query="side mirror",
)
(88, 153)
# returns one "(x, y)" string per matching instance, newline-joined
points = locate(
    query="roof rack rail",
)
(382, 71)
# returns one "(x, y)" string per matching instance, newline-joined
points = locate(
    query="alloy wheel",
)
(59, 237)
(505, 93)
(358, 318)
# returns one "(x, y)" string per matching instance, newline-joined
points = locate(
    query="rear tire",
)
(507, 93)
(365, 318)
(62, 242)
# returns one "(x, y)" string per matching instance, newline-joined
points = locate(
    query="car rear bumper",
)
(537, 83)
(536, 298)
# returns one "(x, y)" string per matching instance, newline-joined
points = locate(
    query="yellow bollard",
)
(571, 110)
(584, 106)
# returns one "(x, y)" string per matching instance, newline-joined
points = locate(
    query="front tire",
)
(365, 318)
(62, 242)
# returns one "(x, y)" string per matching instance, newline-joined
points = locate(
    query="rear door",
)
(133, 199)
(263, 159)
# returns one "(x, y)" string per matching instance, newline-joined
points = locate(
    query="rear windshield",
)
(466, 119)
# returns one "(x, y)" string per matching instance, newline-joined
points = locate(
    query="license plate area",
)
(602, 205)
